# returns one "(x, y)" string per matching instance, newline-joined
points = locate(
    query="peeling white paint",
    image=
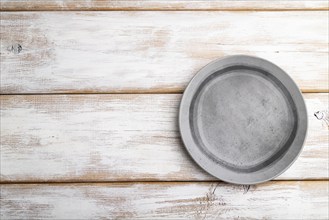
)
(130, 51)
(299, 200)
(118, 137)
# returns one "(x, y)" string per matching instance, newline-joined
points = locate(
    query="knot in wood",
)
(15, 48)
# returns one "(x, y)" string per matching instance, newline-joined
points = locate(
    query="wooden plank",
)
(78, 138)
(137, 52)
(272, 200)
(40, 5)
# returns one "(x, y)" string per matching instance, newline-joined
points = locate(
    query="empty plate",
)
(243, 119)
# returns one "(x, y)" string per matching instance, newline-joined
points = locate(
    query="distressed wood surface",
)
(97, 138)
(39, 5)
(120, 138)
(273, 200)
(137, 52)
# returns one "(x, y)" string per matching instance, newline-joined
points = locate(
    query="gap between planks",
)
(163, 5)
(157, 9)
(149, 182)
(141, 92)
(137, 92)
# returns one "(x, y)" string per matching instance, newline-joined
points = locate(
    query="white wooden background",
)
(89, 102)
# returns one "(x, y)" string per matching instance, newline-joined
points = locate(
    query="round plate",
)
(243, 119)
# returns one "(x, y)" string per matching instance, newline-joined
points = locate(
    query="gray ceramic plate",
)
(243, 119)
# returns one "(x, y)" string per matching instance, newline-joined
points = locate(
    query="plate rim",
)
(205, 162)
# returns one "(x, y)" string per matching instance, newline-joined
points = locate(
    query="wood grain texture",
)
(78, 138)
(153, 52)
(40, 5)
(273, 200)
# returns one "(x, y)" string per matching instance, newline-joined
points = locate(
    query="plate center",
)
(242, 118)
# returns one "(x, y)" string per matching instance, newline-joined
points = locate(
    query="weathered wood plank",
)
(120, 138)
(273, 200)
(39, 5)
(129, 52)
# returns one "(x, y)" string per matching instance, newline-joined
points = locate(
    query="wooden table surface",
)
(89, 102)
